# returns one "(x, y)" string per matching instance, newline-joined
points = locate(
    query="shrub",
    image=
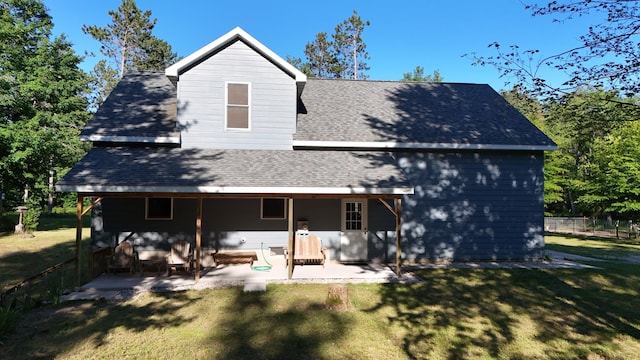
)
(32, 215)
(8, 318)
(6, 224)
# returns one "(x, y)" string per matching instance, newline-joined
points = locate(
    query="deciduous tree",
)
(42, 101)
(605, 56)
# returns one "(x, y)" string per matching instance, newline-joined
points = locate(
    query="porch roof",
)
(121, 170)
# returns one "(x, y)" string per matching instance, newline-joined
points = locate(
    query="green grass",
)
(21, 257)
(602, 248)
(453, 314)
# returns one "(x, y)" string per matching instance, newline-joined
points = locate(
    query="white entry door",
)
(353, 237)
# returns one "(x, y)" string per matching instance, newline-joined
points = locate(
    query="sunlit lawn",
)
(453, 314)
(54, 241)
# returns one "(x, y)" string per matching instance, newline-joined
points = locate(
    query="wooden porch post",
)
(398, 232)
(290, 244)
(78, 237)
(198, 238)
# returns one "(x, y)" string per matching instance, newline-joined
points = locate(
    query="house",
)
(234, 148)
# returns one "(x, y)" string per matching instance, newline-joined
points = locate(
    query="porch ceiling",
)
(253, 173)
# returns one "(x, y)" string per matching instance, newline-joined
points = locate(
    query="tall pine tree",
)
(127, 43)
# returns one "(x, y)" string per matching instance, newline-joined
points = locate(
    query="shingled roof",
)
(176, 170)
(141, 108)
(413, 115)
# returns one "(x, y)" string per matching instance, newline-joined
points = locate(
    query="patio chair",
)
(307, 249)
(179, 257)
(124, 257)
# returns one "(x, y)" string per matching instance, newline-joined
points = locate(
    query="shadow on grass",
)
(567, 312)
(61, 221)
(91, 323)
(598, 247)
(253, 327)
(17, 266)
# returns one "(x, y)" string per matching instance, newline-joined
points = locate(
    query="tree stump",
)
(338, 298)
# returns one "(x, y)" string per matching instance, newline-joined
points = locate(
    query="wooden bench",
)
(234, 257)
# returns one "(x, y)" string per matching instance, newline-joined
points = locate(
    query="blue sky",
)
(402, 34)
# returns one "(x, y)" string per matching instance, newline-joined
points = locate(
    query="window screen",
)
(159, 208)
(273, 208)
(237, 106)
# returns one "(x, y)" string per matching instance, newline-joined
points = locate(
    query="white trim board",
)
(301, 144)
(234, 190)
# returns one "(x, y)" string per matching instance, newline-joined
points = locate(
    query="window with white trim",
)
(159, 208)
(238, 110)
(273, 208)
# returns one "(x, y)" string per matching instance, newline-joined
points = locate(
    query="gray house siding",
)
(233, 224)
(201, 102)
(466, 206)
(473, 206)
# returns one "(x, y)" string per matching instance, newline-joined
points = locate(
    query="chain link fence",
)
(597, 227)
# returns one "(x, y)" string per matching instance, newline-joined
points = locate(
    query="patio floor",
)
(119, 286)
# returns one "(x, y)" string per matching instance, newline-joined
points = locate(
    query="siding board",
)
(201, 92)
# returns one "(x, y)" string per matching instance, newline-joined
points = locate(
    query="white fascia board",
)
(132, 139)
(382, 145)
(175, 69)
(235, 190)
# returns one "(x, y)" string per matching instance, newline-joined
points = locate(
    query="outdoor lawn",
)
(453, 314)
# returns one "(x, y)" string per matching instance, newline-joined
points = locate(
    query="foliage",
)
(8, 319)
(594, 170)
(6, 224)
(605, 57)
(31, 216)
(128, 44)
(343, 55)
(418, 75)
(42, 101)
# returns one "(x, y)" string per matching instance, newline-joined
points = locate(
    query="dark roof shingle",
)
(409, 112)
(187, 170)
(142, 105)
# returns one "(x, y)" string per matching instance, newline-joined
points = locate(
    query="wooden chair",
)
(124, 258)
(179, 257)
(307, 249)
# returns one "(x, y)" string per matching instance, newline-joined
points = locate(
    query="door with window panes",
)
(353, 235)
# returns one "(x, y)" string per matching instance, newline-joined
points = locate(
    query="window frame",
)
(227, 105)
(154, 217)
(284, 209)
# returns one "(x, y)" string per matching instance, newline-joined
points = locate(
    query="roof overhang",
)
(178, 68)
(232, 190)
(381, 145)
(132, 139)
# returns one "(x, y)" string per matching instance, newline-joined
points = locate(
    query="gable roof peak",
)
(235, 34)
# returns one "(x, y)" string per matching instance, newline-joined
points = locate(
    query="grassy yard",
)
(54, 242)
(453, 314)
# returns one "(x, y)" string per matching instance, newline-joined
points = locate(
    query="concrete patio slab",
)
(118, 286)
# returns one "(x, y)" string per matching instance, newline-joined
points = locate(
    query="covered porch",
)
(202, 176)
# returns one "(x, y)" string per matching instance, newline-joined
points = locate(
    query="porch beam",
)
(290, 243)
(198, 239)
(398, 212)
(93, 204)
(386, 204)
(79, 214)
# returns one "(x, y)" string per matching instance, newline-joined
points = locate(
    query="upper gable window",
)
(238, 106)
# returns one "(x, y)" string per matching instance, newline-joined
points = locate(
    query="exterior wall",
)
(466, 206)
(473, 206)
(201, 102)
(232, 224)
